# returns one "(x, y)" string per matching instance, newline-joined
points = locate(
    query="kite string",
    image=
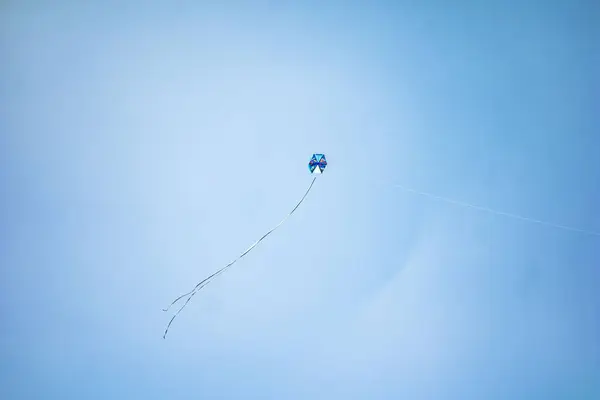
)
(207, 280)
(492, 211)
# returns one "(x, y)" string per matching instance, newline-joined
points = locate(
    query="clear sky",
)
(142, 147)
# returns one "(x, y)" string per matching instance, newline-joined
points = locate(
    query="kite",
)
(316, 165)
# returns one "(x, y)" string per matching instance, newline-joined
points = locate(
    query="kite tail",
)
(198, 285)
(207, 280)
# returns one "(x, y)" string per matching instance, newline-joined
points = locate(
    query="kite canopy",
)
(317, 164)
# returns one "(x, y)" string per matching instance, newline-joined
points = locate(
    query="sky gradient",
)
(144, 146)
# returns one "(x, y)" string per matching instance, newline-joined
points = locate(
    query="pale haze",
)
(143, 147)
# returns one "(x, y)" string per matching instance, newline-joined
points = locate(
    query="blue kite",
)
(316, 165)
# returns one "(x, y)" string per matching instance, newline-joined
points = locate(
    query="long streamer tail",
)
(207, 280)
(492, 211)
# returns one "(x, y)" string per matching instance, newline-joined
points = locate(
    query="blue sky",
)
(143, 146)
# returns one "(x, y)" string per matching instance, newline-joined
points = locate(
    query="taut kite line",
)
(492, 211)
(317, 165)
